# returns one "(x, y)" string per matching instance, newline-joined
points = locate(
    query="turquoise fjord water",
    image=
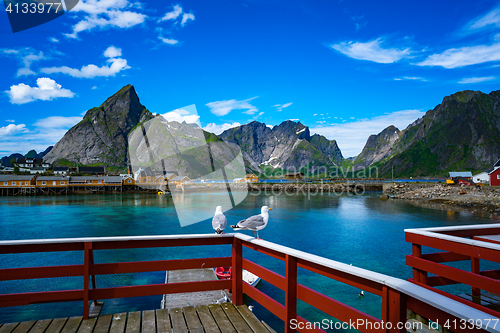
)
(359, 230)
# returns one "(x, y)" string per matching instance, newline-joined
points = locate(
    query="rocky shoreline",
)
(485, 198)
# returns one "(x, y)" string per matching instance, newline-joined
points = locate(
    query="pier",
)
(214, 318)
(195, 298)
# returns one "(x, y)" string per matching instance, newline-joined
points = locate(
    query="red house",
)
(495, 174)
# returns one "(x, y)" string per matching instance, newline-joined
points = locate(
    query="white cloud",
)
(490, 19)
(12, 129)
(464, 56)
(10, 120)
(168, 40)
(221, 108)
(476, 79)
(27, 56)
(91, 71)
(294, 120)
(413, 78)
(371, 51)
(186, 17)
(270, 126)
(180, 115)
(47, 90)
(57, 122)
(47, 132)
(280, 107)
(54, 40)
(173, 14)
(113, 52)
(351, 136)
(105, 14)
(218, 129)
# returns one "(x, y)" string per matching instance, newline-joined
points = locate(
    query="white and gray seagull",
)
(255, 223)
(219, 221)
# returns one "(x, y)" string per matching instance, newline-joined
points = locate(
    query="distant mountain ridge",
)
(461, 133)
(288, 146)
(31, 154)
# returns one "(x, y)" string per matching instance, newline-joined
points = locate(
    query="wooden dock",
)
(217, 318)
(193, 298)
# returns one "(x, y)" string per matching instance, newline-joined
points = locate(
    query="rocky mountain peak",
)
(101, 137)
(462, 96)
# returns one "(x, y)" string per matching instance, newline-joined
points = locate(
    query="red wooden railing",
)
(464, 243)
(397, 295)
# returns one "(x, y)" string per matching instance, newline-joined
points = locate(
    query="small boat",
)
(224, 273)
(250, 278)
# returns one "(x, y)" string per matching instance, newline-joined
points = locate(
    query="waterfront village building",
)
(61, 170)
(180, 180)
(495, 174)
(37, 170)
(251, 178)
(55, 181)
(31, 165)
(294, 175)
(127, 179)
(239, 180)
(17, 180)
(483, 177)
(95, 170)
(462, 174)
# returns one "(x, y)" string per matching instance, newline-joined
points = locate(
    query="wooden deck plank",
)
(251, 320)
(192, 321)
(177, 319)
(133, 322)
(95, 309)
(40, 326)
(148, 321)
(87, 325)
(163, 321)
(236, 319)
(207, 320)
(24, 326)
(72, 324)
(103, 324)
(221, 319)
(56, 325)
(118, 323)
(268, 327)
(8, 328)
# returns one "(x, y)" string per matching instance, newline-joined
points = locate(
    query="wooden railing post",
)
(94, 284)
(237, 272)
(418, 275)
(476, 292)
(290, 293)
(86, 278)
(393, 310)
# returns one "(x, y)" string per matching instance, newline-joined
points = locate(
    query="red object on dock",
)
(223, 273)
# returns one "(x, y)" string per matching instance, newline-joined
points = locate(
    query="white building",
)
(482, 177)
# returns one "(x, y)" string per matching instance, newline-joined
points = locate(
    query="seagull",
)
(361, 294)
(219, 221)
(256, 222)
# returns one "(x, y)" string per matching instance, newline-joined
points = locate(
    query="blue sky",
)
(346, 69)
